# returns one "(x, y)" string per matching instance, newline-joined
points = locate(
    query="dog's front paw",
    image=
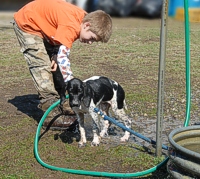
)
(103, 134)
(94, 144)
(96, 141)
(124, 138)
(81, 144)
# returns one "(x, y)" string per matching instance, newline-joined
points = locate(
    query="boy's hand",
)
(54, 64)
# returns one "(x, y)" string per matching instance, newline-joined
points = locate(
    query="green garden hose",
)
(84, 172)
(187, 63)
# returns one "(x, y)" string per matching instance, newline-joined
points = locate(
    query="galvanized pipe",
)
(161, 75)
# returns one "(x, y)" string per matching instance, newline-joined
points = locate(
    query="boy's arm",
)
(64, 63)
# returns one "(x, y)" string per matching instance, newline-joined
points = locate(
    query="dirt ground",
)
(19, 117)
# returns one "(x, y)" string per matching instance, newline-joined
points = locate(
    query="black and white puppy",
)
(100, 92)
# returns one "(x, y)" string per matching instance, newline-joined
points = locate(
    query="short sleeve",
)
(66, 35)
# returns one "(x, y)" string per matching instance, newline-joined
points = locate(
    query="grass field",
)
(131, 57)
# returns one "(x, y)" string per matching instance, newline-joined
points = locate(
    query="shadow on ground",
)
(27, 104)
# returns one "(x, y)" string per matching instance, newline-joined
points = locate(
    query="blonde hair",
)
(101, 24)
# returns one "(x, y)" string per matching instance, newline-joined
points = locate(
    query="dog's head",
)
(78, 91)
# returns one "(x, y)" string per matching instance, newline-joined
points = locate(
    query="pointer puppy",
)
(100, 92)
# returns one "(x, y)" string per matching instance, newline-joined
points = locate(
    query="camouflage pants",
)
(34, 50)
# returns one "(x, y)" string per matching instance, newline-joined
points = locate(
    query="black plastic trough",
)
(184, 153)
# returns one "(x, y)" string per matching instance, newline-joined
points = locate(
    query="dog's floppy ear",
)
(87, 94)
(66, 85)
(62, 94)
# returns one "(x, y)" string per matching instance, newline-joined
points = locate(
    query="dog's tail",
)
(125, 106)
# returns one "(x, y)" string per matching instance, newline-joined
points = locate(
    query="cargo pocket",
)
(35, 52)
(30, 43)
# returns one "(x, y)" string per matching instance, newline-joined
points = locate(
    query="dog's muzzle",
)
(75, 103)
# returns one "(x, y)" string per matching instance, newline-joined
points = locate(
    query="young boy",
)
(46, 31)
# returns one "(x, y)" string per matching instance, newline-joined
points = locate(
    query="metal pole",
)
(160, 102)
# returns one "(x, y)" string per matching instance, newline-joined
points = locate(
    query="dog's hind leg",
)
(83, 140)
(105, 123)
(127, 122)
(95, 127)
(120, 113)
(96, 138)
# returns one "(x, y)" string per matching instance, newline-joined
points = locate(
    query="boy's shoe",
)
(56, 120)
(67, 109)
(60, 122)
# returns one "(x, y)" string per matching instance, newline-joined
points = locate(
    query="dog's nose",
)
(75, 103)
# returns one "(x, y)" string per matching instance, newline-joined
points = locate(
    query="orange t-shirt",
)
(56, 20)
